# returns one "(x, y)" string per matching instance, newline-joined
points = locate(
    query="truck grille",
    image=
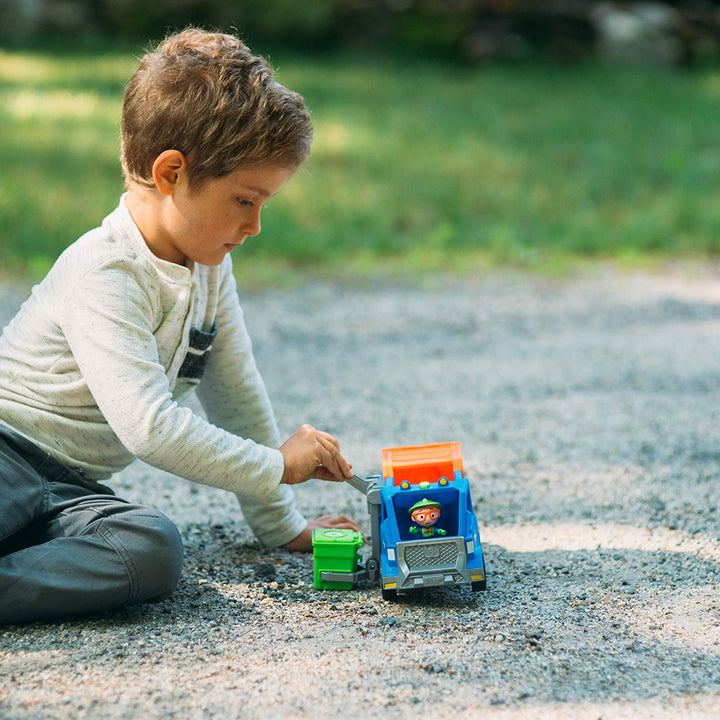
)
(429, 554)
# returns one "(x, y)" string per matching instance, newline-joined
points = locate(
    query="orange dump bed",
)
(422, 463)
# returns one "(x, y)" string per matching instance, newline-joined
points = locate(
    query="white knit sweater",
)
(94, 366)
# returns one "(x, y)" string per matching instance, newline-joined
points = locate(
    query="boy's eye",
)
(244, 203)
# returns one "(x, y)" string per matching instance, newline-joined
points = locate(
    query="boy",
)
(129, 319)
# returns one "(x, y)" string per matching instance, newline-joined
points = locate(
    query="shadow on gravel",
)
(555, 626)
(609, 623)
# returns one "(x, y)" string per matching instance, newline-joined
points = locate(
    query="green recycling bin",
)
(335, 550)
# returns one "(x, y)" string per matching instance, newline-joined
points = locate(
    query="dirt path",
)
(587, 412)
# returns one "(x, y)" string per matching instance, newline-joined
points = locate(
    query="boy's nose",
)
(252, 225)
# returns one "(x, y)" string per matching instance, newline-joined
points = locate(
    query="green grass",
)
(415, 165)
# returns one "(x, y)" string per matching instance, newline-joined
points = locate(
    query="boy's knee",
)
(155, 554)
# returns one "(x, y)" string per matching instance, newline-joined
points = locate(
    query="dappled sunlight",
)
(333, 137)
(24, 69)
(693, 707)
(590, 535)
(710, 83)
(61, 173)
(691, 287)
(635, 575)
(58, 144)
(688, 622)
(27, 104)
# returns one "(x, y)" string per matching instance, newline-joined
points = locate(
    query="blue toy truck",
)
(423, 528)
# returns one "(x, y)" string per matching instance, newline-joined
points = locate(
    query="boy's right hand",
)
(311, 453)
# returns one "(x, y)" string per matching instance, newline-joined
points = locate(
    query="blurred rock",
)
(645, 32)
(495, 42)
(20, 19)
(66, 15)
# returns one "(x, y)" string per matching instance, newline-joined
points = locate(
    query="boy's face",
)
(205, 225)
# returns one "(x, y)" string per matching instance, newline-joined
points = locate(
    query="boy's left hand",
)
(303, 542)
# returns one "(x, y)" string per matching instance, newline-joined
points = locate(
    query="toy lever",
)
(359, 484)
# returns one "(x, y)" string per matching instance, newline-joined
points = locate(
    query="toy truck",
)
(424, 532)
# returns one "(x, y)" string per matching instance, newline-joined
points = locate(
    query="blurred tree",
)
(475, 30)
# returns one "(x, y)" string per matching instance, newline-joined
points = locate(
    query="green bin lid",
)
(337, 536)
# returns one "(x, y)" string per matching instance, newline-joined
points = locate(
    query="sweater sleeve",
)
(234, 397)
(107, 321)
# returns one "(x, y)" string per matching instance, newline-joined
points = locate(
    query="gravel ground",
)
(586, 411)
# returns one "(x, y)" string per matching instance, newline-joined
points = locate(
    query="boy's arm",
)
(231, 390)
(234, 397)
(275, 521)
(108, 323)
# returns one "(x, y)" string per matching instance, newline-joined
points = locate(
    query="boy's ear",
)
(167, 169)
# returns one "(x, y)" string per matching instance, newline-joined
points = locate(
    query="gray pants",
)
(69, 546)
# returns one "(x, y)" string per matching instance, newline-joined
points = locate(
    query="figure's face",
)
(206, 224)
(427, 516)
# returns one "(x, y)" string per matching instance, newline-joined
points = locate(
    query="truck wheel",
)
(390, 595)
(479, 585)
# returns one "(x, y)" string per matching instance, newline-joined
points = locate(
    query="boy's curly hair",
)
(206, 95)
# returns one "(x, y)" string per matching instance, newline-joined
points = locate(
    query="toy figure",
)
(425, 513)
